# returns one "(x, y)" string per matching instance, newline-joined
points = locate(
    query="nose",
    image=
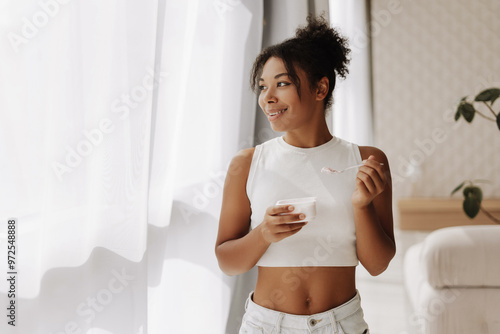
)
(268, 96)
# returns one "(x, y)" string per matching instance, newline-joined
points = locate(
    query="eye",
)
(282, 84)
(262, 87)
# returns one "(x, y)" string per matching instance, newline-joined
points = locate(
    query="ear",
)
(322, 88)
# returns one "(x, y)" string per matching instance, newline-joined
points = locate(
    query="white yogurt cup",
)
(305, 205)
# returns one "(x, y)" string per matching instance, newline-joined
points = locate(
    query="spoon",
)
(328, 170)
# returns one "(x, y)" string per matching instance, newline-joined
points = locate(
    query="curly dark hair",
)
(317, 49)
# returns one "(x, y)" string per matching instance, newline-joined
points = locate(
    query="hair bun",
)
(319, 36)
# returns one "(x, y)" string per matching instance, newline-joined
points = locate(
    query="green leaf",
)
(498, 121)
(457, 188)
(472, 201)
(473, 191)
(467, 110)
(478, 193)
(457, 114)
(471, 207)
(488, 95)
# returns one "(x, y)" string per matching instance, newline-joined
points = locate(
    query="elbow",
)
(228, 270)
(220, 262)
(376, 268)
(224, 266)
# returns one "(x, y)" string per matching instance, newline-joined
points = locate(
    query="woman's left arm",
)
(372, 204)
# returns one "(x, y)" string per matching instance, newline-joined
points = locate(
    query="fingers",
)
(278, 236)
(275, 232)
(372, 174)
(292, 227)
(290, 218)
(374, 165)
(366, 182)
(280, 223)
(283, 215)
(286, 230)
(372, 181)
(360, 185)
(292, 231)
(277, 209)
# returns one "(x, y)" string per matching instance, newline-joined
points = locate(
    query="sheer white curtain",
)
(205, 114)
(352, 109)
(76, 83)
(117, 122)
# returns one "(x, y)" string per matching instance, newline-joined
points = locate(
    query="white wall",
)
(427, 55)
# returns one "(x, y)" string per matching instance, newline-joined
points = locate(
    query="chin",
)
(278, 127)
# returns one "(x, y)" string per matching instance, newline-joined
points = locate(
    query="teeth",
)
(278, 112)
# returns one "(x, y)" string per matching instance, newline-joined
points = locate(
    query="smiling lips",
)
(275, 114)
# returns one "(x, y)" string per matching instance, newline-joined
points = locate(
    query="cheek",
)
(261, 103)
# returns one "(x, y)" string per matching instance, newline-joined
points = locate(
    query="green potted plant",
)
(472, 193)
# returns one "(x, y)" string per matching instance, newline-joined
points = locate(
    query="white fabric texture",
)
(462, 256)
(78, 154)
(205, 115)
(100, 103)
(280, 171)
(76, 93)
(352, 108)
(465, 306)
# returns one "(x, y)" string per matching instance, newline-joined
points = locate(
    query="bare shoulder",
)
(379, 155)
(245, 155)
(240, 165)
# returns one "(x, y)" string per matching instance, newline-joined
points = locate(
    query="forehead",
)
(272, 67)
(275, 66)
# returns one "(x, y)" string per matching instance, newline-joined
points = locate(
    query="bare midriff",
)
(304, 290)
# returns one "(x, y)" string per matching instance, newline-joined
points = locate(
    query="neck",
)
(310, 136)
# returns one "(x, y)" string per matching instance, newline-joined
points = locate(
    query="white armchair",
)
(452, 279)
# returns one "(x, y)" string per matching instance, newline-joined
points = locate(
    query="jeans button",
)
(313, 322)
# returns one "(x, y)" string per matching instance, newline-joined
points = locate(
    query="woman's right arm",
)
(237, 249)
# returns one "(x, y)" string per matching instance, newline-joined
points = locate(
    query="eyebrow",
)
(276, 76)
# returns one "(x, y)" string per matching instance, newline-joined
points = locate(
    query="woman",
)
(306, 270)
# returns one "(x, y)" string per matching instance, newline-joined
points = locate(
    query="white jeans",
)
(344, 319)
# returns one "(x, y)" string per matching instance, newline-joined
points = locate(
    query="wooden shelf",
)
(427, 214)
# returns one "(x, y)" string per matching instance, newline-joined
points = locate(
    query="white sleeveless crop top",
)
(282, 171)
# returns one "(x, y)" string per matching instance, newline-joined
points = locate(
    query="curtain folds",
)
(205, 113)
(76, 89)
(118, 122)
(352, 109)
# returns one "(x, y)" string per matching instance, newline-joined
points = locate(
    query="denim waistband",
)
(281, 319)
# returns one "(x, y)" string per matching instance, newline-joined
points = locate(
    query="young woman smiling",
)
(306, 270)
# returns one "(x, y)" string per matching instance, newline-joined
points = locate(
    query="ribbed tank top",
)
(282, 171)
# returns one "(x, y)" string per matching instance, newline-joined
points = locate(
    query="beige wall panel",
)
(427, 55)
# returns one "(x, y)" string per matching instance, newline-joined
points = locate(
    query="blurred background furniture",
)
(452, 280)
(432, 213)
